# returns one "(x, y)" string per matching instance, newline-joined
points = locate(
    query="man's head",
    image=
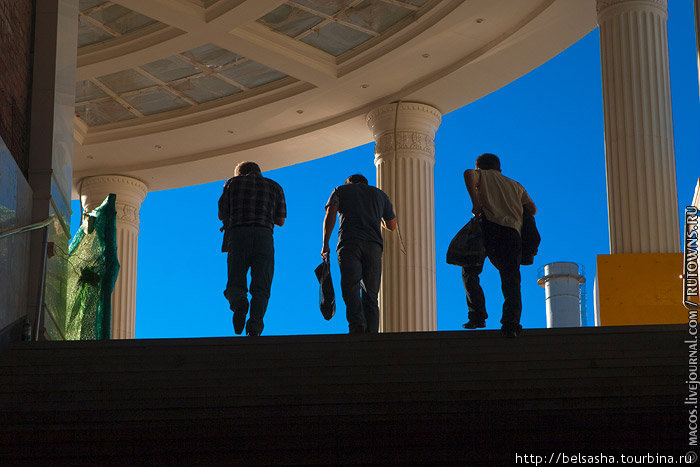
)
(357, 178)
(247, 168)
(488, 161)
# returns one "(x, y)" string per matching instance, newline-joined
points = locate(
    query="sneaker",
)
(240, 311)
(474, 324)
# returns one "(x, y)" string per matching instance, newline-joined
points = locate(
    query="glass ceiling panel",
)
(87, 4)
(121, 19)
(375, 15)
(414, 2)
(289, 20)
(103, 112)
(211, 56)
(206, 88)
(125, 81)
(204, 3)
(329, 7)
(335, 39)
(170, 69)
(88, 33)
(87, 91)
(252, 74)
(155, 101)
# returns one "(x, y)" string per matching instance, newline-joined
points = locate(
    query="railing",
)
(28, 228)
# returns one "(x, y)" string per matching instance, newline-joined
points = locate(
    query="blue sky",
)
(547, 128)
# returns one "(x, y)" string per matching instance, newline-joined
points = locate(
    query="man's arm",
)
(390, 225)
(470, 182)
(328, 225)
(528, 204)
(223, 205)
(281, 209)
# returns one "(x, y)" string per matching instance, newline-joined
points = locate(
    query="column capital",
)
(406, 116)
(130, 194)
(404, 126)
(606, 8)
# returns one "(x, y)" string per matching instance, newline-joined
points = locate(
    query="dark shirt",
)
(251, 200)
(361, 208)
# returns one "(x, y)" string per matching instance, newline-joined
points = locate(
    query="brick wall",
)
(16, 32)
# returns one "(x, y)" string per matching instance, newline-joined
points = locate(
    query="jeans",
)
(360, 277)
(251, 248)
(503, 248)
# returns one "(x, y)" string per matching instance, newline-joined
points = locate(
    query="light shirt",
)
(501, 198)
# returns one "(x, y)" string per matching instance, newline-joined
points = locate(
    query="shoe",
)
(511, 332)
(252, 334)
(474, 324)
(240, 311)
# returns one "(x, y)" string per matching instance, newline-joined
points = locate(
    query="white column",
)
(130, 193)
(404, 156)
(639, 153)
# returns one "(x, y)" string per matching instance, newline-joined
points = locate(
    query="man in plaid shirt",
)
(250, 206)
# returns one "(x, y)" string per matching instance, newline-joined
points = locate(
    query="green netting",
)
(92, 255)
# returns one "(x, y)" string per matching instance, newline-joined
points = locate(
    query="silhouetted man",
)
(499, 202)
(250, 206)
(363, 211)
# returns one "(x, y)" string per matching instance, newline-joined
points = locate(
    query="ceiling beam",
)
(235, 30)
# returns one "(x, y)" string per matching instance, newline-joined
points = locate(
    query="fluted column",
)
(130, 193)
(639, 153)
(404, 157)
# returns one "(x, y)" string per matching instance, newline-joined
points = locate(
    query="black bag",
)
(531, 238)
(467, 247)
(326, 294)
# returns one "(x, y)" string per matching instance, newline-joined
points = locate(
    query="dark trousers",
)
(360, 277)
(503, 248)
(251, 248)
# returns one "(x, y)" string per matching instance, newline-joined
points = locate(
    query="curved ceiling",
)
(176, 92)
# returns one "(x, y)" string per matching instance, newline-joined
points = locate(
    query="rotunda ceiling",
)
(176, 92)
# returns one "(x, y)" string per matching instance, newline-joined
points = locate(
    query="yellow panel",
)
(640, 288)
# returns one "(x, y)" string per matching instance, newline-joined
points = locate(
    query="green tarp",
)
(92, 272)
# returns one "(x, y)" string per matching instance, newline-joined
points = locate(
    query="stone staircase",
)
(440, 397)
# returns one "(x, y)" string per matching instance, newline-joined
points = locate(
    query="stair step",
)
(471, 397)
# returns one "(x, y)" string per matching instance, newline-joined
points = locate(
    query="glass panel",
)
(211, 56)
(87, 91)
(336, 39)
(125, 81)
(121, 19)
(329, 7)
(375, 15)
(204, 3)
(90, 34)
(155, 101)
(252, 74)
(87, 4)
(102, 112)
(206, 88)
(289, 20)
(170, 69)
(414, 2)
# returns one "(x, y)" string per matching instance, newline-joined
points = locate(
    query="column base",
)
(640, 288)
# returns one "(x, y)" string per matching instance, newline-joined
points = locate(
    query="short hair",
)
(356, 178)
(488, 161)
(247, 168)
